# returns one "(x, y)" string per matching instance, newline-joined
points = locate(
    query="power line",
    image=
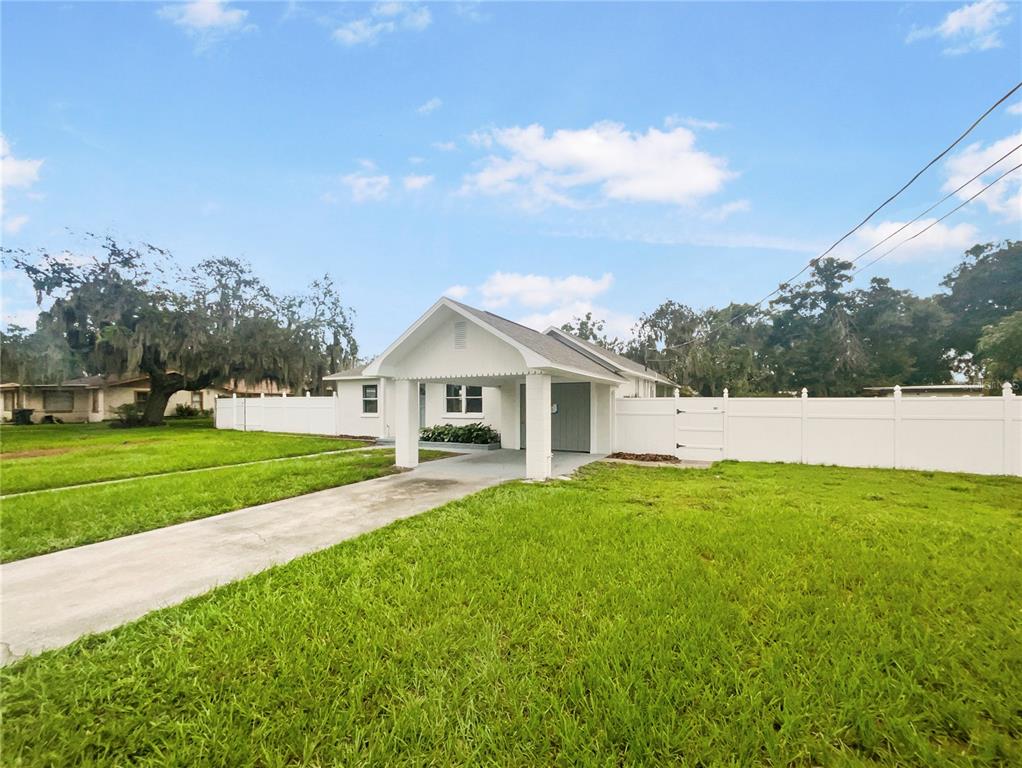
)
(944, 199)
(876, 210)
(937, 221)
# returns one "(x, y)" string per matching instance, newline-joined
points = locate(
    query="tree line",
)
(127, 309)
(835, 340)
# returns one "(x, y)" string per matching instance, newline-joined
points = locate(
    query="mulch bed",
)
(658, 457)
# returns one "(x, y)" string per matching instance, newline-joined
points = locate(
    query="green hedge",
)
(475, 433)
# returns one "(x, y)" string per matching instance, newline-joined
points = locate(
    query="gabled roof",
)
(537, 349)
(613, 358)
(552, 349)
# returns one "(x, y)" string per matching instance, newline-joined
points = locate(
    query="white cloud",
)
(973, 27)
(673, 121)
(13, 224)
(616, 324)
(937, 241)
(1005, 197)
(457, 291)
(1015, 109)
(365, 185)
(15, 172)
(725, 211)
(206, 20)
(604, 161)
(414, 182)
(445, 146)
(204, 14)
(430, 106)
(540, 301)
(383, 19)
(17, 300)
(502, 288)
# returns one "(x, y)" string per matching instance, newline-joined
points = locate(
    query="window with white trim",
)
(463, 399)
(370, 398)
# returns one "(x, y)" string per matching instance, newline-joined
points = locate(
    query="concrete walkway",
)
(51, 600)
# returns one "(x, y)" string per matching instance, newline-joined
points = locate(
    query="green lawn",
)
(52, 456)
(743, 615)
(46, 522)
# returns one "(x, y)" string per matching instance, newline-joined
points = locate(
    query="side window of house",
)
(58, 401)
(473, 399)
(141, 397)
(370, 398)
(197, 400)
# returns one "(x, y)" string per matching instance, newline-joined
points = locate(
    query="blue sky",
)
(537, 159)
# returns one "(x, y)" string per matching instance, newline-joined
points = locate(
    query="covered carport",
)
(552, 397)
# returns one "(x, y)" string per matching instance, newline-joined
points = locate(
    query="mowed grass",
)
(742, 615)
(46, 522)
(56, 455)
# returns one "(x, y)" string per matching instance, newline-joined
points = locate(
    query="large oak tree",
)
(126, 309)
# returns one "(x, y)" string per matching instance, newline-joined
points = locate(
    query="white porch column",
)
(510, 421)
(406, 423)
(602, 418)
(538, 454)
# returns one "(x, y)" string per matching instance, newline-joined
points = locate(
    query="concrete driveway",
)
(49, 601)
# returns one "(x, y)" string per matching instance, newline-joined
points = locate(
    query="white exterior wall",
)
(436, 406)
(436, 357)
(967, 434)
(351, 420)
(342, 413)
(635, 387)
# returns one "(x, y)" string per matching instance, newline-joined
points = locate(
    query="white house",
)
(543, 392)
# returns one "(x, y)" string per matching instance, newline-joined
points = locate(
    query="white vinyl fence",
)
(959, 434)
(301, 415)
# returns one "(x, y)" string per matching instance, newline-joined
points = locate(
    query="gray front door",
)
(569, 422)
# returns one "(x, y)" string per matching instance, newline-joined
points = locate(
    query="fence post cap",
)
(1006, 389)
(234, 395)
(262, 395)
(308, 393)
(805, 392)
(897, 390)
(725, 391)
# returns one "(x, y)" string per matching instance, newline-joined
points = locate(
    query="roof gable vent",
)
(459, 334)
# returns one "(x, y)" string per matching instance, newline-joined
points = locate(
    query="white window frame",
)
(375, 400)
(462, 399)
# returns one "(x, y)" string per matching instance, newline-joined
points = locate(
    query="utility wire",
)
(944, 199)
(876, 210)
(937, 221)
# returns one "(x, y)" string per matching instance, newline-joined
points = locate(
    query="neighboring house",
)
(458, 364)
(93, 398)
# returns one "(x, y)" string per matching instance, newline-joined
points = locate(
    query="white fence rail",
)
(299, 415)
(959, 434)
(956, 434)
